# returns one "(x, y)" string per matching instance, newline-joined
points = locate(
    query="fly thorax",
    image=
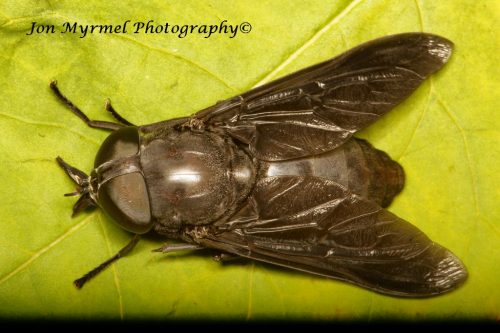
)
(194, 178)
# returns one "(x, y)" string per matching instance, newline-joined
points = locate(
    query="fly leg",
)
(224, 257)
(166, 248)
(84, 279)
(220, 257)
(105, 125)
(116, 115)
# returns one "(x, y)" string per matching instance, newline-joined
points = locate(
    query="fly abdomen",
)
(382, 178)
(364, 170)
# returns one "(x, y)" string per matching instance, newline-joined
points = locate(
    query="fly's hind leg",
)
(225, 257)
(220, 257)
(167, 248)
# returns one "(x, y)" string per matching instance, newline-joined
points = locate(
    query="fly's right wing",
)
(316, 225)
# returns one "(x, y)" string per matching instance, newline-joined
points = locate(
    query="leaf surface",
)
(445, 135)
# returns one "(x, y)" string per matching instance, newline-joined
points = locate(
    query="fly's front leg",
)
(105, 125)
(116, 115)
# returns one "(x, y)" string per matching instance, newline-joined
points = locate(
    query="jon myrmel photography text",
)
(145, 27)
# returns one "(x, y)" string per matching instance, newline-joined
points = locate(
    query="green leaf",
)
(445, 135)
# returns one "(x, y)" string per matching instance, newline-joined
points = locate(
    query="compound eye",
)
(120, 143)
(125, 199)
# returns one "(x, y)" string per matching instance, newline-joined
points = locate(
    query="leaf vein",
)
(113, 267)
(45, 249)
(469, 165)
(467, 153)
(187, 60)
(419, 14)
(320, 32)
(419, 122)
(156, 49)
(36, 123)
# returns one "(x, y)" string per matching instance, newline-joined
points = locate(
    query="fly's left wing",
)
(315, 225)
(318, 108)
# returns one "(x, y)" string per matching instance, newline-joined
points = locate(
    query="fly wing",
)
(315, 225)
(320, 107)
